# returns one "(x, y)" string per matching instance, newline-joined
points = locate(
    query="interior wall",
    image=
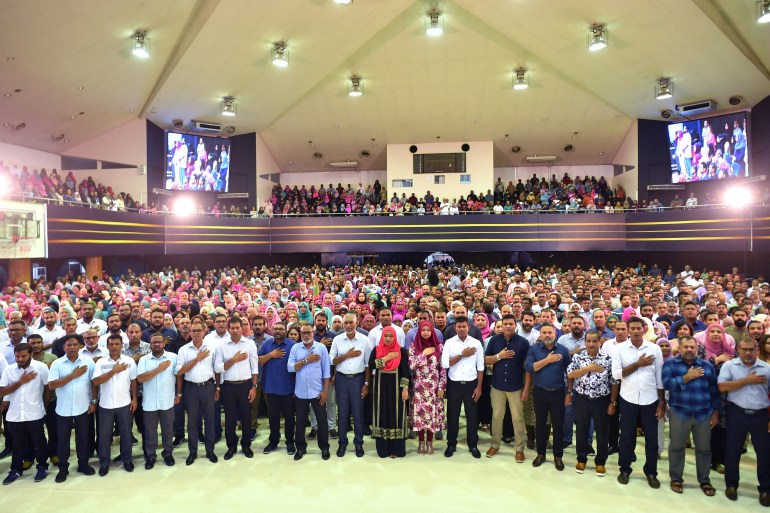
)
(345, 177)
(265, 166)
(126, 144)
(479, 164)
(15, 158)
(121, 180)
(628, 157)
(524, 173)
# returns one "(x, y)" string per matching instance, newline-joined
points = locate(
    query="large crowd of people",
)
(538, 358)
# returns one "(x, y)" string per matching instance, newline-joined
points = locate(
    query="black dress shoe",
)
(248, 452)
(325, 454)
(61, 476)
(178, 440)
(149, 464)
(5, 453)
(169, 461)
(229, 454)
(117, 459)
(559, 464)
(103, 469)
(291, 448)
(128, 467)
(450, 450)
(87, 470)
(475, 452)
(360, 451)
(212, 457)
(731, 493)
(623, 478)
(298, 455)
(269, 448)
(653, 481)
(764, 499)
(190, 459)
(612, 449)
(539, 460)
(341, 451)
(313, 433)
(333, 434)
(367, 431)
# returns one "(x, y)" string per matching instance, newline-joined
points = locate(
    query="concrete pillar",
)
(94, 267)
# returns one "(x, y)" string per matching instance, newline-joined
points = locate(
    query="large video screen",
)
(197, 163)
(715, 148)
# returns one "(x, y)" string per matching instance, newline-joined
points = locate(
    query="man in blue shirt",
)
(506, 353)
(694, 403)
(278, 386)
(310, 362)
(156, 372)
(746, 380)
(547, 363)
(71, 377)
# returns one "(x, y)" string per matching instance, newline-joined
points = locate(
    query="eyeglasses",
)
(306, 332)
(197, 331)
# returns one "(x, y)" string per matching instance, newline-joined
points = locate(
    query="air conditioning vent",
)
(205, 126)
(697, 107)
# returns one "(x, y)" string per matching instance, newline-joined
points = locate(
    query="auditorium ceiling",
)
(73, 66)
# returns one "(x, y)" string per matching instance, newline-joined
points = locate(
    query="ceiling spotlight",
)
(229, 107)
(140, 45)
(664, 89)
(434, 25)
(597, 38)
(520, 80)
(183, 207)
(280, 55)
(763, 11)
(355, 87)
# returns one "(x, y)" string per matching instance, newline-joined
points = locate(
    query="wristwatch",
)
(94, 401)
(366, 383)
(179, 395)
(304, 362)
(614, 403)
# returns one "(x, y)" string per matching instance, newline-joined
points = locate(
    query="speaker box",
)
(465, 147)
(413, 148)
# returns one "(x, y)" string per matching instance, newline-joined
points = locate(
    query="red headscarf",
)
(383, 349)
(420, 344)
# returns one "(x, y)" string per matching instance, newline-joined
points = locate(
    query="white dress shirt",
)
(99, 352)
(610, 345)
(49, 336)
(640, 387)
(95, 323)
(26, 403)
(376, 334)
(467, 368)
(103, 339)
(116, 392)
(214, 341)
(242, 370)
(342, 344)
(203, 370)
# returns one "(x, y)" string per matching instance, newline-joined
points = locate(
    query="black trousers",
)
(460, 394)
(24, 434)
(587, 410)
(303, 408)
(545, 402)
(349, 401)
(64, 427)
(644, 416)
(613, 437)
(235, 399)
(50, 427)
(278, 406)
(199, 404)
(739, 424)
(107, 417)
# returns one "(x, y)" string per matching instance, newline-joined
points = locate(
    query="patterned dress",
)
(428, 377)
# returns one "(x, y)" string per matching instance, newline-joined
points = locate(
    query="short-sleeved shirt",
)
(158, 392)
(115, 392)
(508, 374)
(26, 402)
(73, 398)
(276, 378)
(553, 375)
(749, 397)
(342, 344)
(593, 384)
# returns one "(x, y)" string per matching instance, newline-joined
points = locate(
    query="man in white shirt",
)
(238, 363)
(49, 331)
(527, 327)
(386, 319)
(88, 321)
(350, 353)
(115, 377)
(92, 348)
(113, 327)
(23, 386)
(638, 364)
(609, 346)
(156, 373)
(463, 357)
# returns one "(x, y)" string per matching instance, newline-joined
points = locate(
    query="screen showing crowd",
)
(709, 149)
(197, 163)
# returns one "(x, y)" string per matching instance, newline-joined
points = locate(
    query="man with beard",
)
(35, 342)
(546, 364)
(71, 376)
(113, 328)
(49, 332)
(690, 311)
(278, 386)
(156, 326)
(527, 327)
(115, 378)
(575, 342)
(70, 328)
(746, 380)
(156, 373)
(259, 336)
(136, 315)
(325, 336)
(124, 313)
(740, 319)
(88, 321)
(23, 387)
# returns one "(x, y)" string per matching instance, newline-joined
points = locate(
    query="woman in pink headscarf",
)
(271, 318)
(718, 348)
(429, 379)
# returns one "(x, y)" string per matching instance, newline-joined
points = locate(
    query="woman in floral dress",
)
(429, 381)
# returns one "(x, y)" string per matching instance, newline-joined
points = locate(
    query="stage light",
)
(140, 45)
(280, 55)
(434, 24)
(664, 89)
(183, 207)
(763, 11)
(597, 38)
(229, 107)
(355, 86)
(520, 80)
(737, 197)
